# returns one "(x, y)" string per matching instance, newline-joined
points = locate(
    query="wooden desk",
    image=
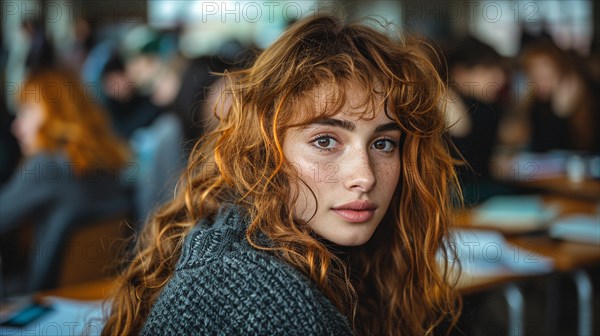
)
(568, 257)
(542, 172)
(93, 290)
(565, 206)
(587, 189)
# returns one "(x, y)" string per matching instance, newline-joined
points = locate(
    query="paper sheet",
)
(68, 317)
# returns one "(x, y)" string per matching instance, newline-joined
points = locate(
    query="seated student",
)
(558, 110)
(478, 78)
(129, 110)
(312, 209)
(70, 173)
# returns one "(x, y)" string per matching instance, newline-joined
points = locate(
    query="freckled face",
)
(353, 167)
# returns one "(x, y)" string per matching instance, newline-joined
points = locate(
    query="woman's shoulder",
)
(211, 238)
(229, 287)
(58, 158)
(44, 167)
(221, 242)
(57, 167)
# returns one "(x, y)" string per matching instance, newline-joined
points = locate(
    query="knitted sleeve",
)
(243, 294)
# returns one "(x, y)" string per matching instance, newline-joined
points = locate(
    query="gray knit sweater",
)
(223, 286)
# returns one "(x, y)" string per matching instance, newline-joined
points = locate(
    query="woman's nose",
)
(359, 172)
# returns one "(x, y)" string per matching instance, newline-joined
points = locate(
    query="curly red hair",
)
(391, 285)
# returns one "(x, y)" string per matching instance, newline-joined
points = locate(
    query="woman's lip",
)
(355, 216)
(357, 206)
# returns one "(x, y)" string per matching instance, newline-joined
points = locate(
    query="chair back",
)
(93, 251)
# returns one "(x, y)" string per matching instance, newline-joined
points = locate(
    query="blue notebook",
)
(514, 213)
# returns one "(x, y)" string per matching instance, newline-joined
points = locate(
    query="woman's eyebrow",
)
(350, 126)
(345, 124)
(387, 127)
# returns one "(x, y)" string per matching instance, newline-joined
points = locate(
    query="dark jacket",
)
(46, 192)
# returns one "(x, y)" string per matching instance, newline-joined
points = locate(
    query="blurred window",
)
(499, 23)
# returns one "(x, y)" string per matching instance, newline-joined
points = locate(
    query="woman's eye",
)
(384, 145)
(325, 142)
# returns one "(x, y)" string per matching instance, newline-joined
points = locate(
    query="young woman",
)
(71, 172)
(556, 111)
(318, 206)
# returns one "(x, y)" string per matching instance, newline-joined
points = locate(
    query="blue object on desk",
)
(487, 253)
(27, 315)
(578, 228)
(67, 317)
(514, 213)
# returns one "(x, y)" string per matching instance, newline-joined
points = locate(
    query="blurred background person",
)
(41, 51)
(84, 37)
(31, 48)
(202, 87)
(557, 110)
(9, 148)
(478, 78)
(153, 126)
(195, 94)
(128, 108)
(592, 76)
(71, 172)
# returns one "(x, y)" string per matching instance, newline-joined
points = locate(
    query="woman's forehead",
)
(327, 100)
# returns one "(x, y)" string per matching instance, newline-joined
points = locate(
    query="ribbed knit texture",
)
(223, 286)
